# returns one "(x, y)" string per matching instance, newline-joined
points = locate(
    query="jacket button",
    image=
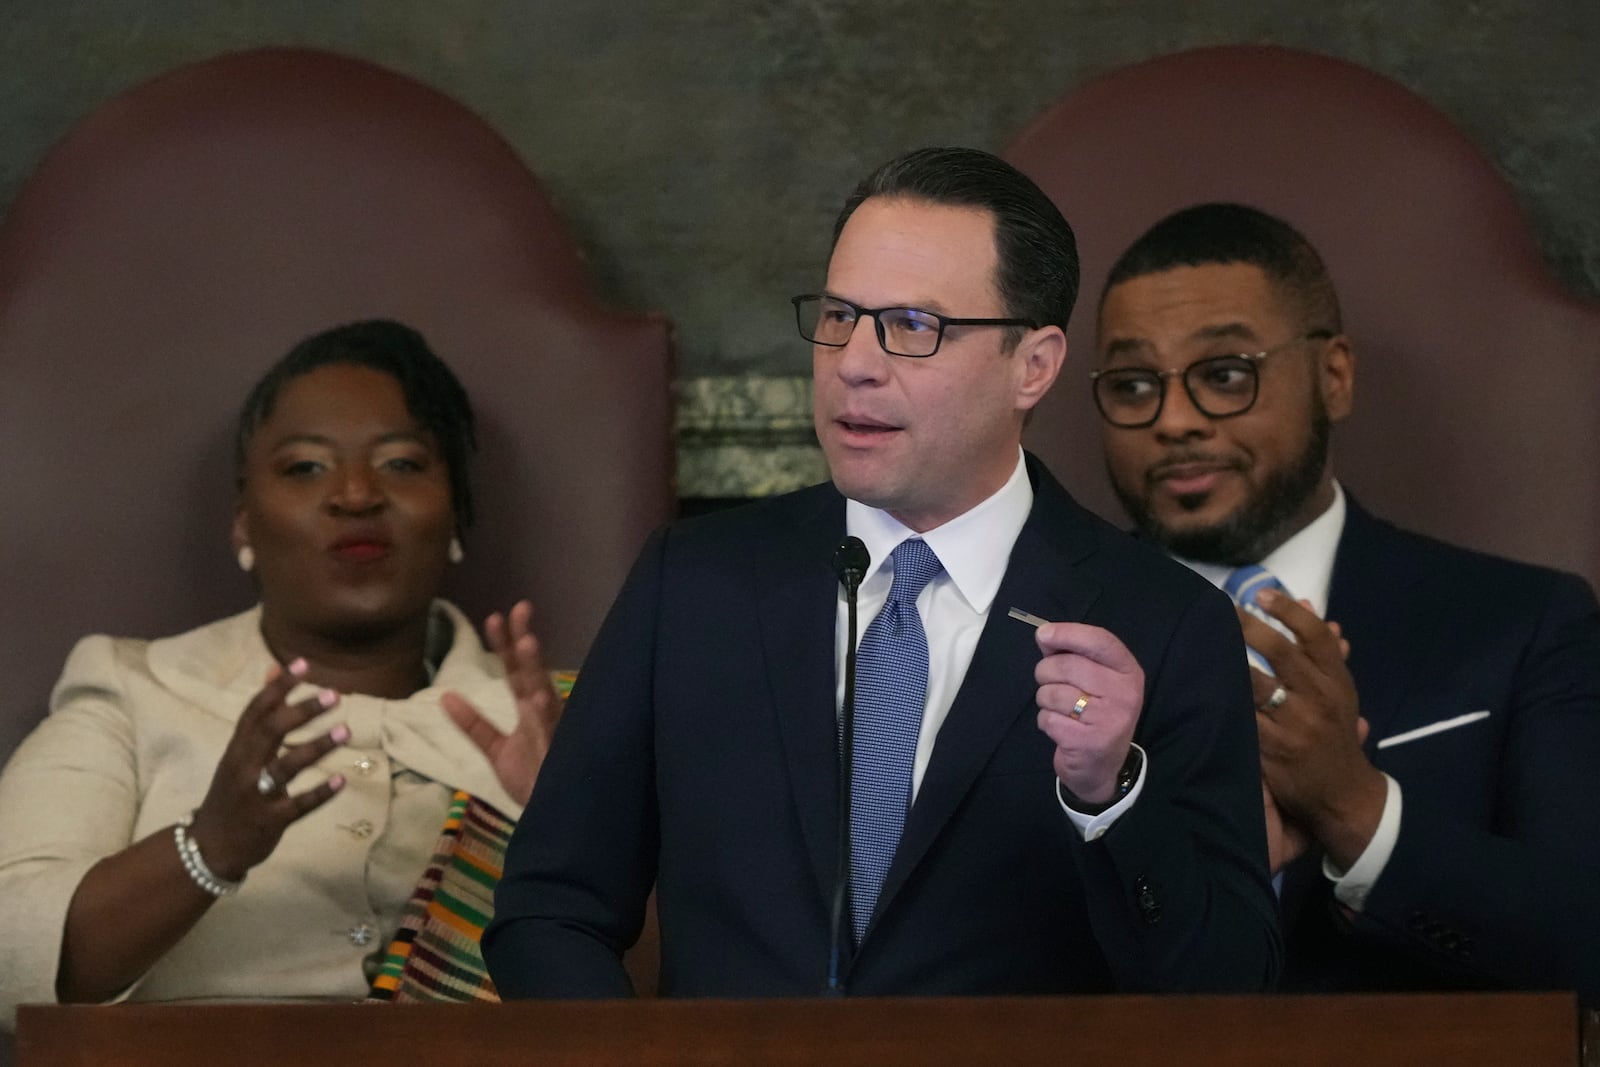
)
(1149, 906)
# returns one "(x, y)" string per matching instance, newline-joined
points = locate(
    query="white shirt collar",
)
(1304, 563)
(965, 545)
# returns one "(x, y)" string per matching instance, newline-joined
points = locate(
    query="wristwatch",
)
(1127, 774)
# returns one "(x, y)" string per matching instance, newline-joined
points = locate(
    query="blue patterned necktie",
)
(1242, 586)
(891, 690)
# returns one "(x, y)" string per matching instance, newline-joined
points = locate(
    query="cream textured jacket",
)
(135, 731)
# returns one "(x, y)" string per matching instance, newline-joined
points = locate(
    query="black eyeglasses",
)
(827, 320)
(1220, 387)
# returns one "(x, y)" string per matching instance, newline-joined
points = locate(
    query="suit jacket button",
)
(1149, 906)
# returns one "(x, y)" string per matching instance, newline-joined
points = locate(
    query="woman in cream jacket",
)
(242, 811)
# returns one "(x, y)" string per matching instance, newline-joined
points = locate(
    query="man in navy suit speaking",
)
(1053, 783)
(1432, 801)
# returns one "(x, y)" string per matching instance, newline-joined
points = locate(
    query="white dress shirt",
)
(1304, 564)
(975, 548)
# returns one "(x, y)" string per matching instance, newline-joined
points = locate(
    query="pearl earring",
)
(247, 558)
(457, 553)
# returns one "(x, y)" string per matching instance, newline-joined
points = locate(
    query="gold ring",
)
(1078, 706)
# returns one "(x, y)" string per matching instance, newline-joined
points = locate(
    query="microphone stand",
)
(850, 563)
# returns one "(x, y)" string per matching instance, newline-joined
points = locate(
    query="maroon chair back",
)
(185, 236)
(1477, 415)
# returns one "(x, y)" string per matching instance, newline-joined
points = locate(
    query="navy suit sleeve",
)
(1506, 887)
(1178, 891)
(582, 860)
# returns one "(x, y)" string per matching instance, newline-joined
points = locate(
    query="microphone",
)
(850, 562)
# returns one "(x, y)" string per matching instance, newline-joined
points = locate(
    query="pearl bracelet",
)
(189, 855)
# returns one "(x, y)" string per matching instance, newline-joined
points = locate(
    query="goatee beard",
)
(1265, 520)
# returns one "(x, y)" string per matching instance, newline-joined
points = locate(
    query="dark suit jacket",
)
(698, 753)
(1495, 878)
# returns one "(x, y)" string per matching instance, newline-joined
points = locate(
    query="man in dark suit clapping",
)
(1432, 800)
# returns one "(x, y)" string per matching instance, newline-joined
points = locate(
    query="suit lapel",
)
(1044, 576)
(1371, 584)
(796, 609)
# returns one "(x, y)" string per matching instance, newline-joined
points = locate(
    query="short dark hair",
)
(1038, 254)
(433, 395)
(1218, 233)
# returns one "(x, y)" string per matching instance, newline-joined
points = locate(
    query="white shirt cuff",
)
(1351, 887)
(1093, 827)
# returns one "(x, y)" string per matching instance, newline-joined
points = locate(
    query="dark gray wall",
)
(700, 148)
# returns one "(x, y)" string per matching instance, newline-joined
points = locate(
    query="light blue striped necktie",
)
(1242, 586)
(891, 691)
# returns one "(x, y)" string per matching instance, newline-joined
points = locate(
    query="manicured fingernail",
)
(297, 666)
(327, 697)
(336, 782)
(340, 733)
(1267, 596)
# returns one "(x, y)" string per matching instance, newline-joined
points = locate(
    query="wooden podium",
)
(1403, 1030)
